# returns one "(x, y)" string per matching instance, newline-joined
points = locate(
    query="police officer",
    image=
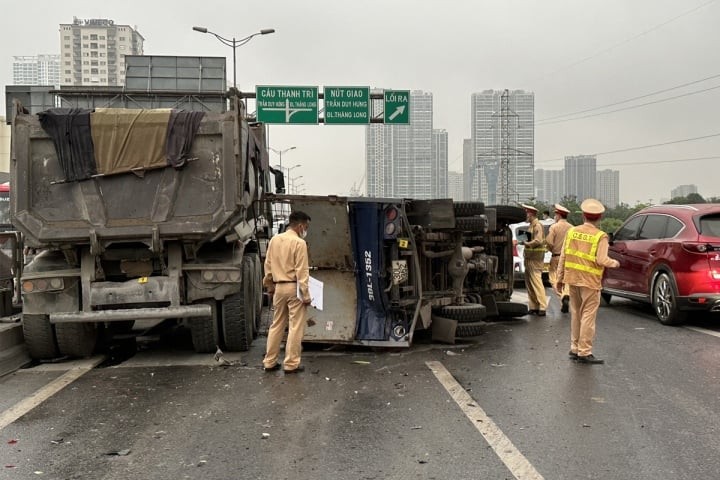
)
(534, 260)
(583, 259)
(554, 241)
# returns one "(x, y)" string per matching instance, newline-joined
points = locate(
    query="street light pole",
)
(280, 153)
(234, 43)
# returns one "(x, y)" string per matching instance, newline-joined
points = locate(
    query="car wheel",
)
(664, 302)
(606, 297)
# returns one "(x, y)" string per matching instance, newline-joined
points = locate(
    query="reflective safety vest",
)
(581, 251)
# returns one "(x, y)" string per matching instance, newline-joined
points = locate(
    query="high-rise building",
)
(439, 168)
(37, 70)
(549, 185)
(503, 135)
(399, 158)
(683, 191)
(455, 186)
(580, 176)
(608, 187)
(93, 51)
(468, 171)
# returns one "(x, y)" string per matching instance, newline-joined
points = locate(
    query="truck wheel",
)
(472, 329)
(39, 337)
(512, 309)
(466, 313)
(238, 312)
(76, 339)
(509, 214)
(468, 209)
(471, 224)
(204, 331)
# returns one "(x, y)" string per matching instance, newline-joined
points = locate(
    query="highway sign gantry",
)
(347, 105)
(287, 104)
(397, 107)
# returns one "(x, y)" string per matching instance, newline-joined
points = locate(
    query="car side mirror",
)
(611, 238)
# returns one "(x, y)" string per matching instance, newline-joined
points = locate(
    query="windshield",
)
(5, 208)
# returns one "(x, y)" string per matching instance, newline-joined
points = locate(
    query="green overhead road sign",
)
(347, 105)
(286, 104)
(397, 107)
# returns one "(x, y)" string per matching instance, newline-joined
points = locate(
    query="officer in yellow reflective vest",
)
(534, 260)
(582, 262)
(554, 242)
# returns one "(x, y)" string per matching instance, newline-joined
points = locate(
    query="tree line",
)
(614, 217)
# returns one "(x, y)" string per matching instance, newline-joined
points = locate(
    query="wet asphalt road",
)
(651, 412)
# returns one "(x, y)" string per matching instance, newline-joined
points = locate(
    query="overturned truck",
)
(392, 267)
(138, 214)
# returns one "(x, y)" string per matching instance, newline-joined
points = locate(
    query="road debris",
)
(119, 453)
(265, 436)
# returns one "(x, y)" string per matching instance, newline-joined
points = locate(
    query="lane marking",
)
(515, 461)
(24, 406)
(705, 331)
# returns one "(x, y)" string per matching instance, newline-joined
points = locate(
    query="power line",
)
(628, 40)
(654, 162)
(631, 107)
(630, 149)
(657, 92)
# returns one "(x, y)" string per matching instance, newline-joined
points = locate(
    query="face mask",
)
(304, 233)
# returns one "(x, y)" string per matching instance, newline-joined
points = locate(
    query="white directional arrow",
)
(289, 112)
(398, 111)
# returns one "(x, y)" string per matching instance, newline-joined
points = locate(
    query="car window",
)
(653, 228)
(629, 230)
(710, 225)
(673, 227)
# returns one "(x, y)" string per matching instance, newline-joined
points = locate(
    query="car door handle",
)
(652, 251)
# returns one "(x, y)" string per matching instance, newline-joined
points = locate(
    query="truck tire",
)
(468, 209)
(466, 313)
(472, 329)
(471, 224)
(238, 312)
(204, 331)
(76, 339)
(512, 309)
(39, 336)
(509, 214)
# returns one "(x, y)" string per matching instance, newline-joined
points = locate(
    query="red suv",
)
(670, 257)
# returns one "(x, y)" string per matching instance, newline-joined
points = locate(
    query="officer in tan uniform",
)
(286, 279)
(583, 259)
(554, 242)
(534, 260)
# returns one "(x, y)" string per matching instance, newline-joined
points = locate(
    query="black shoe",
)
(533, 312)
(573, 355)
(565, 304)
(295, 370)
(274, 368)
(590, 359)
(541, 313)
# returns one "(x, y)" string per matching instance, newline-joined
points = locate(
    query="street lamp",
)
(280, 153)
(234, 43)
(293, 180)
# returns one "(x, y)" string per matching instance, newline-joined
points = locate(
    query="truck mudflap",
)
(187, 311)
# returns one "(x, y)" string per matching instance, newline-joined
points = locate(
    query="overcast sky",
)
(573, 54)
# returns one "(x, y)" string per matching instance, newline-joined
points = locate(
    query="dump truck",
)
(390, 268)
(125, 233)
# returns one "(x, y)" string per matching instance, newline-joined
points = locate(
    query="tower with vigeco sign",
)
(92, 51)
